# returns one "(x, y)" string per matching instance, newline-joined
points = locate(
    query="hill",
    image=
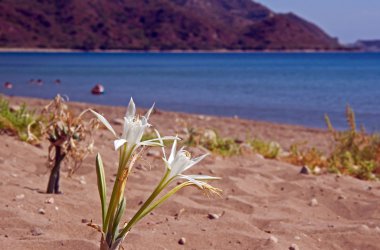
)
(155, 25)
(368, 45)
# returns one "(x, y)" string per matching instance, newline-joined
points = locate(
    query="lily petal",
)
(131, 110)
(150, 143)
(173, 152)
(161, 141)
(119, 142)
(204, 177)
(104, 121)
(149, 112)
(196, 182)
(195, 161)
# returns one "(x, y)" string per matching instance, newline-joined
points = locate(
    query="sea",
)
(290, 88)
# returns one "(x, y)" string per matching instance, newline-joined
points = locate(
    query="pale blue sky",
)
(349, 20)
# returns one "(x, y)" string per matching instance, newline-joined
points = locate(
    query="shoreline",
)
(160, 110)
(225, 126)
(214, 51)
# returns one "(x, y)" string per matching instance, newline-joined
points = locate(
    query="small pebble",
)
(294, 247)
(153, 153)
(85, 221)
(56, 208)
(364, 227)
(118, 121)
(260, 156)
(341, 197)
(297, 237)
(182, 241)
(50, 200)
(273, 239)
(213, 216)
(41, 211)
(36, 231)
(82, 180)
(180, 212)
(305, 170)
(14, 175)
(14, 108)
(313, 202)
(20, 196)
(317, 170)
(377, 229)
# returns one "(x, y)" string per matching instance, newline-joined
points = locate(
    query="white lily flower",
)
(180, 161)
(133, 129)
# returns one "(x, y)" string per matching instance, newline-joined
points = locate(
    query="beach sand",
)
(266, 204)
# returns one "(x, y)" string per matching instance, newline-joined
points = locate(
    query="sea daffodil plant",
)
(130, 147)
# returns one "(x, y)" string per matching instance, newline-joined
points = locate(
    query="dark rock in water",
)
(305, 170)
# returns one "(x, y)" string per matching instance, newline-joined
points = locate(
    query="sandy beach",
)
(266, 204)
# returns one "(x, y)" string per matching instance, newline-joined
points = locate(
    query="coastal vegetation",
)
(353, 152)
(211, 140)
(269, 150)
(70, 139)
(20, 121)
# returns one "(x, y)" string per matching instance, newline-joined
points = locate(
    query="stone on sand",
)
(313, 202)
(182, 241)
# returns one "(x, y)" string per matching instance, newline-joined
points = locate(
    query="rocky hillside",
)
(368, 45)
(155, 25)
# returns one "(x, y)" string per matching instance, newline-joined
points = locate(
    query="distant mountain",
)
(368, 45)
(155, 25)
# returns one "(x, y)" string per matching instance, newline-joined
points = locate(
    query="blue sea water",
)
(293, 88)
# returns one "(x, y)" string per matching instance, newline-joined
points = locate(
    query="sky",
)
(349, 20)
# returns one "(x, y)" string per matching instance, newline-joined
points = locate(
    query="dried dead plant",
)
(70, 138)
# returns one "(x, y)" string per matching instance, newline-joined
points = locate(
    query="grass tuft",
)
(212, 141)
(269, 150)
(20, 121)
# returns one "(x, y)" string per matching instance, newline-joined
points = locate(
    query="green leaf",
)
(101, 186)
(119, 214)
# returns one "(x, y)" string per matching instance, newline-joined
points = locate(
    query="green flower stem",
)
(163, 183)
(116, 191)
(163, 199)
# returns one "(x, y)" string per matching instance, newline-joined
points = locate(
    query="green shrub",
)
(212, 141)
(269, 150)
(310, 157)
(21, 122)
(355, 152)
